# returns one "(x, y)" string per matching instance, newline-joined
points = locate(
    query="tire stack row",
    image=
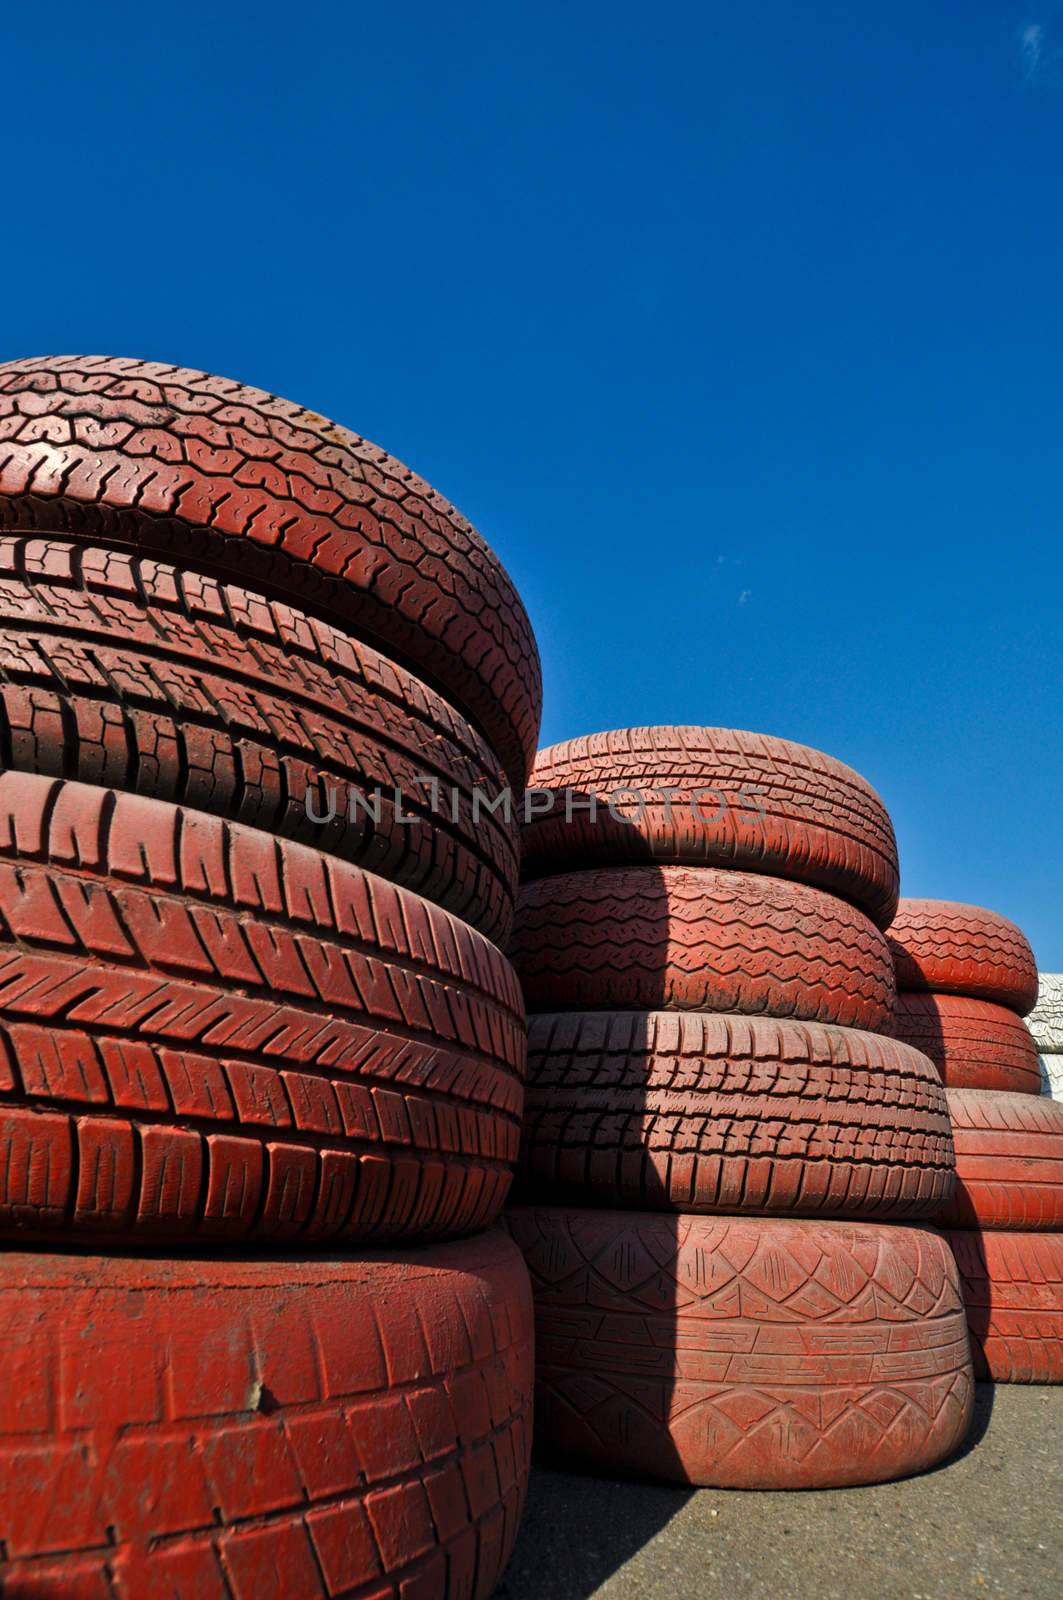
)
(1046, 1024)
(966, 977)
(718, 1134)
(261, 1060)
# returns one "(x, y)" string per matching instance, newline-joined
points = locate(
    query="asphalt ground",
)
(987, 1523)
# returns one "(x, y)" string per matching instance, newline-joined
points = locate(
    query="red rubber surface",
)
(121, 670)
(957, 949)
(1009, 1161)
(733, 799)
(699, 939)
(248, 1429)
(746, 1353)
(1013, 1290)
(973, 1043)
(206, 1030)
(709, 1113)
(219, 476)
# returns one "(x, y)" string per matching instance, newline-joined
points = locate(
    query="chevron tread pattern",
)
(745, 1353)
(1046, 1018)
(958, 949)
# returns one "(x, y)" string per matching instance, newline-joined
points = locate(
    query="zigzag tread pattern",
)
(1009, 1161)
(238, 1429)
(1013, 1290)
(714, 797)
(207, 1029)
(973, 1043)
(745, 1353)
(124, 671)
(219, 475)
(1046, 1019)
(959, 949)
(716, 1113)
(699, 939)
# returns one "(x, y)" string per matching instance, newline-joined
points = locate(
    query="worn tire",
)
(744, 1353)
(253, 1429)
(1013, 1290)
(1009, 1161)
(1045, 1021)
(774, 807)
(715, 1113)
(957, 949)
(221, 477)
(206, 1031)
(973, 1043)
(121, 670)
(699, 939)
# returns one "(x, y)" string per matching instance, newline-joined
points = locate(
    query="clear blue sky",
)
(737, 329)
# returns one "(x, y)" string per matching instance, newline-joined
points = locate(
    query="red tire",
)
(244, 1428)
(957, 949)
(206, 1031)
(973, 1043)
(118, 669)
(699, 939)
(707, 1113)
(714, 797)
(1009, 1161)
(743, 1353)
(221, 477)
(1013, 1289)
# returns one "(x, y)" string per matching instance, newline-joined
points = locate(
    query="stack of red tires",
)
(262, 695)
(719, 1140)
(966, 977)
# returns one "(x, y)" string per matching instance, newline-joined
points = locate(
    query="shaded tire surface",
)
(973, 1043)
(699, 939)
(215, 475)
(746, 1353)
(713, 797)
(1009, 1161)
(122, 670)
(959, 949)
(208, 1031)
(715, 1113)
(1013, 1290)
(279, 1427)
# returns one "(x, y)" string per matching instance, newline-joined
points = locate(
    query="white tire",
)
(1045, 1021)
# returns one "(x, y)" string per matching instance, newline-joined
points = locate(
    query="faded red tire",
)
(1013, 1290)
(744, 1353)
(714, 797)
(1009, 1161)
(699, 939)
(958, 949)
(215, 475)
(973, 1043)
(245, 1429)
(122, 670)
(715, 1113)
(209, 1032)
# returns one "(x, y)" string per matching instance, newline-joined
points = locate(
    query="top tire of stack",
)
(951, 948)
(713, 797)
(225, 478)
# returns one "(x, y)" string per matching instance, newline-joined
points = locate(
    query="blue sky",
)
(736, 329)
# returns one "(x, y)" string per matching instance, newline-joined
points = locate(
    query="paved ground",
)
(990, 1523)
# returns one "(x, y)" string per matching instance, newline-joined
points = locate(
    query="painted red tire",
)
(951, 948)
(1013, 1290)
(243, 1429)
(209, 1032)
(714, 797)
(699, 939)
(215, 475)
(687, 1111)
(744, 1353)
(119, 669)
(1009, 1161)
(973, 1043)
